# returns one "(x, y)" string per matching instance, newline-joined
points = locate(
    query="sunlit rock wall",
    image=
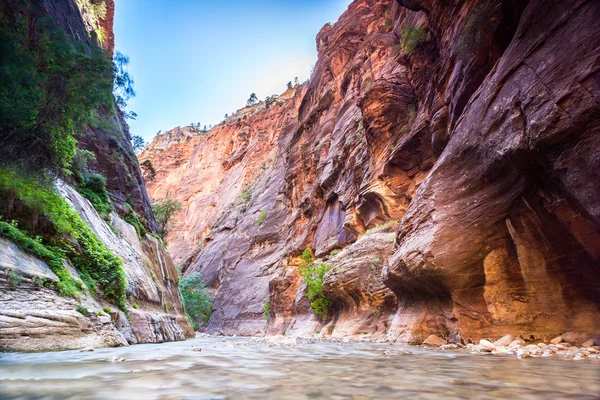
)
(478, 138)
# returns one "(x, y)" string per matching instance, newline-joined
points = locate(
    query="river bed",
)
(241, 368)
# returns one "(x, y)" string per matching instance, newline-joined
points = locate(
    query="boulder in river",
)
(504, 340)
(434, 340)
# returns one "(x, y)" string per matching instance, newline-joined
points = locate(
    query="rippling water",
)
(237, 368)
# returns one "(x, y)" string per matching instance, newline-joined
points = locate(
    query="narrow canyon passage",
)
(416, 217)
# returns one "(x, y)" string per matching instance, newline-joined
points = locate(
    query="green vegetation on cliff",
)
(411, 38)
(165, 210)
(68, 286)
(60, 233)
(313, 274)
(267, 311)
(261, 218)
(196, 298)
(93, 188)
(50, 87)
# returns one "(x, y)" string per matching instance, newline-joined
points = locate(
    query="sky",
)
(196, 60)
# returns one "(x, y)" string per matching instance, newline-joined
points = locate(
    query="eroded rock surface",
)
(504, 230)
(480, 136)
(36, 318)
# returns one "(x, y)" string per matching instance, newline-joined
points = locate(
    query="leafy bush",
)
(123, 82)
(411, 37)
(261, 218)
(82, 310)
(197, 300)
(94, 189)
(307, 258)
(99, 264)
(267, 310)
(96, 11)
(81, 164)
(314, 274)
(246, 194)
(107, 310)
(252, 100)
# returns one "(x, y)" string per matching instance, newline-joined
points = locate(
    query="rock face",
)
(504, 230)
(111, 141)
(215, 171)
(474, 124)
(33, 316)
(36, 318)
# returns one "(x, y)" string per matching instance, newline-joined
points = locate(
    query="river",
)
(239, 368)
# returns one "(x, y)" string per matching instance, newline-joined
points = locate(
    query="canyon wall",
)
(34, 314)
(441, 160)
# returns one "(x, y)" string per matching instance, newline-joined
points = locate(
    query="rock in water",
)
(280, 340)
(516, 343)
(434, 340)
(486, 345)
(504, 340)
(556, 340)
(522, 353)
(588, 343)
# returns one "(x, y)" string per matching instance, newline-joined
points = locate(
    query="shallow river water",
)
(238, 368)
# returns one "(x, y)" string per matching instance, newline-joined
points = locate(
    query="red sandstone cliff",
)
(475, 124)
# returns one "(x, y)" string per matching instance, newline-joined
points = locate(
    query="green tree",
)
(252, 100)
(269, 100)
(123, 82)
(148, 170)
(138, 143)
(197, 300)
(164, 210)
(50, 87)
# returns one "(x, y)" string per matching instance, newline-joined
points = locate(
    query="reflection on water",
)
(236, 368)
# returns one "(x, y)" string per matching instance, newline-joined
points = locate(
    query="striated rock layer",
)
(35, 318)
(473, 124)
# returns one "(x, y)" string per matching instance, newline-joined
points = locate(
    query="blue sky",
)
(196, 60)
